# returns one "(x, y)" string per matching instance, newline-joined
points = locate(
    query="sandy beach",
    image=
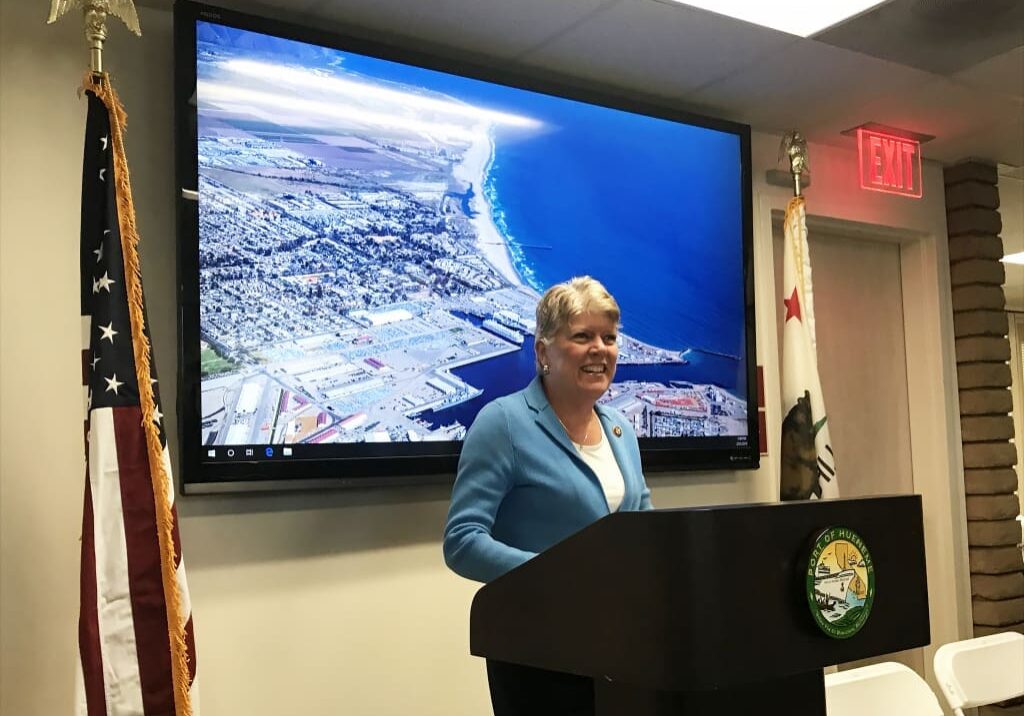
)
(489, 240)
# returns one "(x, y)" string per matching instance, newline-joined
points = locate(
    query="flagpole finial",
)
(95, 13)
(795, 147)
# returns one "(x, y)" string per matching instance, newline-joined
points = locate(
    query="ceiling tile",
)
(655, 47)
(494, 28)
(940, 36)
(1003, 73)
(807, 83)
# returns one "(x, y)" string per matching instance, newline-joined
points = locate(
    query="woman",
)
(541, 464)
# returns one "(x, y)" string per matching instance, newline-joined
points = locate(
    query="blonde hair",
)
(564, 301)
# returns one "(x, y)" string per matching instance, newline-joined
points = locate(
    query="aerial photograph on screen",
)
(374, 237)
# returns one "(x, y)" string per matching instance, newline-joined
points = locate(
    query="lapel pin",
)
(618, 431)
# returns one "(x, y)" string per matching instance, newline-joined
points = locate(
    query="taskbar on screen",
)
(219, 454)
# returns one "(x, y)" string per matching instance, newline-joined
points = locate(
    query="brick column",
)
(982, 352)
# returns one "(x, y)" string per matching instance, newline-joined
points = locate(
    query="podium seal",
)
(840, 582)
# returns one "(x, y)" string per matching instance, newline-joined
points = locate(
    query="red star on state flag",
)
(793, 306)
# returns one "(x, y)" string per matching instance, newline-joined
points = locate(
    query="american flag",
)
(136, 647)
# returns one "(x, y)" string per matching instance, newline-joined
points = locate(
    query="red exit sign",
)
(889, 164)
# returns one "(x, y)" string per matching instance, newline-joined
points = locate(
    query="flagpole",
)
(795, 147)
(94, 13)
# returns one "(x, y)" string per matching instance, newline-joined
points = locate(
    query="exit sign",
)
(889, 164)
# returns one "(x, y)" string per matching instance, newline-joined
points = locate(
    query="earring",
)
(545, 369)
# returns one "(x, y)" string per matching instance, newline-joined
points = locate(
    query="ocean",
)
(654, 215)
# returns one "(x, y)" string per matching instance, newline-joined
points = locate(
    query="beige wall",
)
(1011, 211)
(317, 603)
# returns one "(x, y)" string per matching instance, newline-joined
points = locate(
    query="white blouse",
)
(602, 461)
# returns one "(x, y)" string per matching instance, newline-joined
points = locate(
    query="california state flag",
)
(808, 464)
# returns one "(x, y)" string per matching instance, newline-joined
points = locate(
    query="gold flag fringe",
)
(792, 211)
(101, 87)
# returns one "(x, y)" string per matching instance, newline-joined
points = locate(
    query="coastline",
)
(489, 241)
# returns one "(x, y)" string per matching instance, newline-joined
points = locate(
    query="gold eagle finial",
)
(95, 12)
(794, 146)
(123, 9)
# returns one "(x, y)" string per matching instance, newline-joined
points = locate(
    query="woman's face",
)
(581, 357)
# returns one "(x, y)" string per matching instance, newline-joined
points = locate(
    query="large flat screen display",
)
(373, 231)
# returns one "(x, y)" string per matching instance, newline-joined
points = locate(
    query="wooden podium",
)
(704, 611)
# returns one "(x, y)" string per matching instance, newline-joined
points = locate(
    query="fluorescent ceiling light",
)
(1017, 258)
(797, 17)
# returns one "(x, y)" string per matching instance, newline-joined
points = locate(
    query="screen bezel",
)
(395, 463)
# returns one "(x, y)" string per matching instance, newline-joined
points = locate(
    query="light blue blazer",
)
(522, 486)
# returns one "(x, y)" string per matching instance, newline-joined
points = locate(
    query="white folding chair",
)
(981, 671)
(888, 689)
